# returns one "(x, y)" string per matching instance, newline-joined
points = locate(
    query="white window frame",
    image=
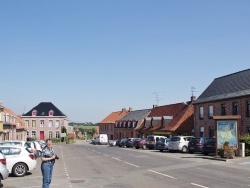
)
(201, 112)
(211, 111)
(50, 123)
(50, 134)
(41, 123)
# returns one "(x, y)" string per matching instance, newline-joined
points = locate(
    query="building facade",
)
(126, 126)
(11, 125)
(107, 125)
(169, 120)
(226, 96)
(44, 121)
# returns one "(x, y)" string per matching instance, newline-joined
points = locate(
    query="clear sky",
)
(90, 58)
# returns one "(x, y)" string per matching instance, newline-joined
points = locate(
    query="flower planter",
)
(229, 154)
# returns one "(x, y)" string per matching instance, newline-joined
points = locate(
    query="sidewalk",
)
(235, 159)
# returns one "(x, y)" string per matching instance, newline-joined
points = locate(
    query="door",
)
(41, 135)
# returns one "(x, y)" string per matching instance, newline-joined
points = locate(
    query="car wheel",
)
(161, 150)
(1, 185)
(184, 149)
(205, 153)
(137, 147)
(191, 152)
(143, 146)
(19, 169)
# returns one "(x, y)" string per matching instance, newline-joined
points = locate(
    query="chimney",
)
(130, 109)
(154, 106)
(193, 98)
(124, 109)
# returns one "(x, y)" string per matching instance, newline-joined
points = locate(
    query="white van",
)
(101, 139)
(152, 139)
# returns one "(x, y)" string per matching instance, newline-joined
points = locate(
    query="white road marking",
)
(116, 159)
(198, 185)
(162, 174)
(106, 155)
(65, 168)
(132, 164)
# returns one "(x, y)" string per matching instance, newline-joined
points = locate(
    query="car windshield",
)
(210, 140)
(150, 138)
(162, 140)
(175, 139)
(195, 140)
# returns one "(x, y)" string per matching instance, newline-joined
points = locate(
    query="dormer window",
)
(51, 113)
(34, 112)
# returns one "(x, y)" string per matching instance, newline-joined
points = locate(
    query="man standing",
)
(48, 159)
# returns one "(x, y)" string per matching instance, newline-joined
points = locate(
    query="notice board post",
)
(227, 129)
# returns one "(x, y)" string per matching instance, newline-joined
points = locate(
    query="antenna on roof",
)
(193, 90)
(157, 97)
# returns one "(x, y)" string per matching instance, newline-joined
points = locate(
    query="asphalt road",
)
(93, 166)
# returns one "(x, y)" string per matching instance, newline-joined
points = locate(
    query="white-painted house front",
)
(44, 121)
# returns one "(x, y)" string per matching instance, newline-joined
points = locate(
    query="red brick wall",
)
(206, 122)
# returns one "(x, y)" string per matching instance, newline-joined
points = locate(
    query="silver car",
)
(179, 143)
(4, 173)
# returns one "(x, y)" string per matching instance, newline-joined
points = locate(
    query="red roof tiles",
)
(114, 116)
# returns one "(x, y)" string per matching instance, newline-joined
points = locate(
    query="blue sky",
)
(91, 58)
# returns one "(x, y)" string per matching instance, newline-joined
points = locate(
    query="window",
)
(26, 123)
(201, 115)
(210, 112)
(201, 131)
(223, 109)
(248, 108)
(10, 151)
(34, 112)
(33, 123)
(57, 134)
(235, 108)
(50, 134)
(41, 123)
(51, 113)
(57, 123)
(27, 133)
(33, 134)
(50, 123)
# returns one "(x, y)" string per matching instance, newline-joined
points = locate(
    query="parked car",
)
(124, 142)
(130, 142)
(162, 144)
(17, 143)
(112, 142)
(19, 159)
(140, 143)
(36, 148)
(196, 144)
(152, 139)
(179, 143)
(4, 173)
(118, 142)
(209, 146)
(41, 142)
(14, 142)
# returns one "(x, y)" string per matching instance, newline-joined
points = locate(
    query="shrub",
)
(55, 140)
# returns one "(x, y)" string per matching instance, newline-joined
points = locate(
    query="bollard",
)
(242, 149)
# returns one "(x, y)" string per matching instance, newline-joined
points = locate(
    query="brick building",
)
(107, 125)
(127, 125)
(227, 96)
